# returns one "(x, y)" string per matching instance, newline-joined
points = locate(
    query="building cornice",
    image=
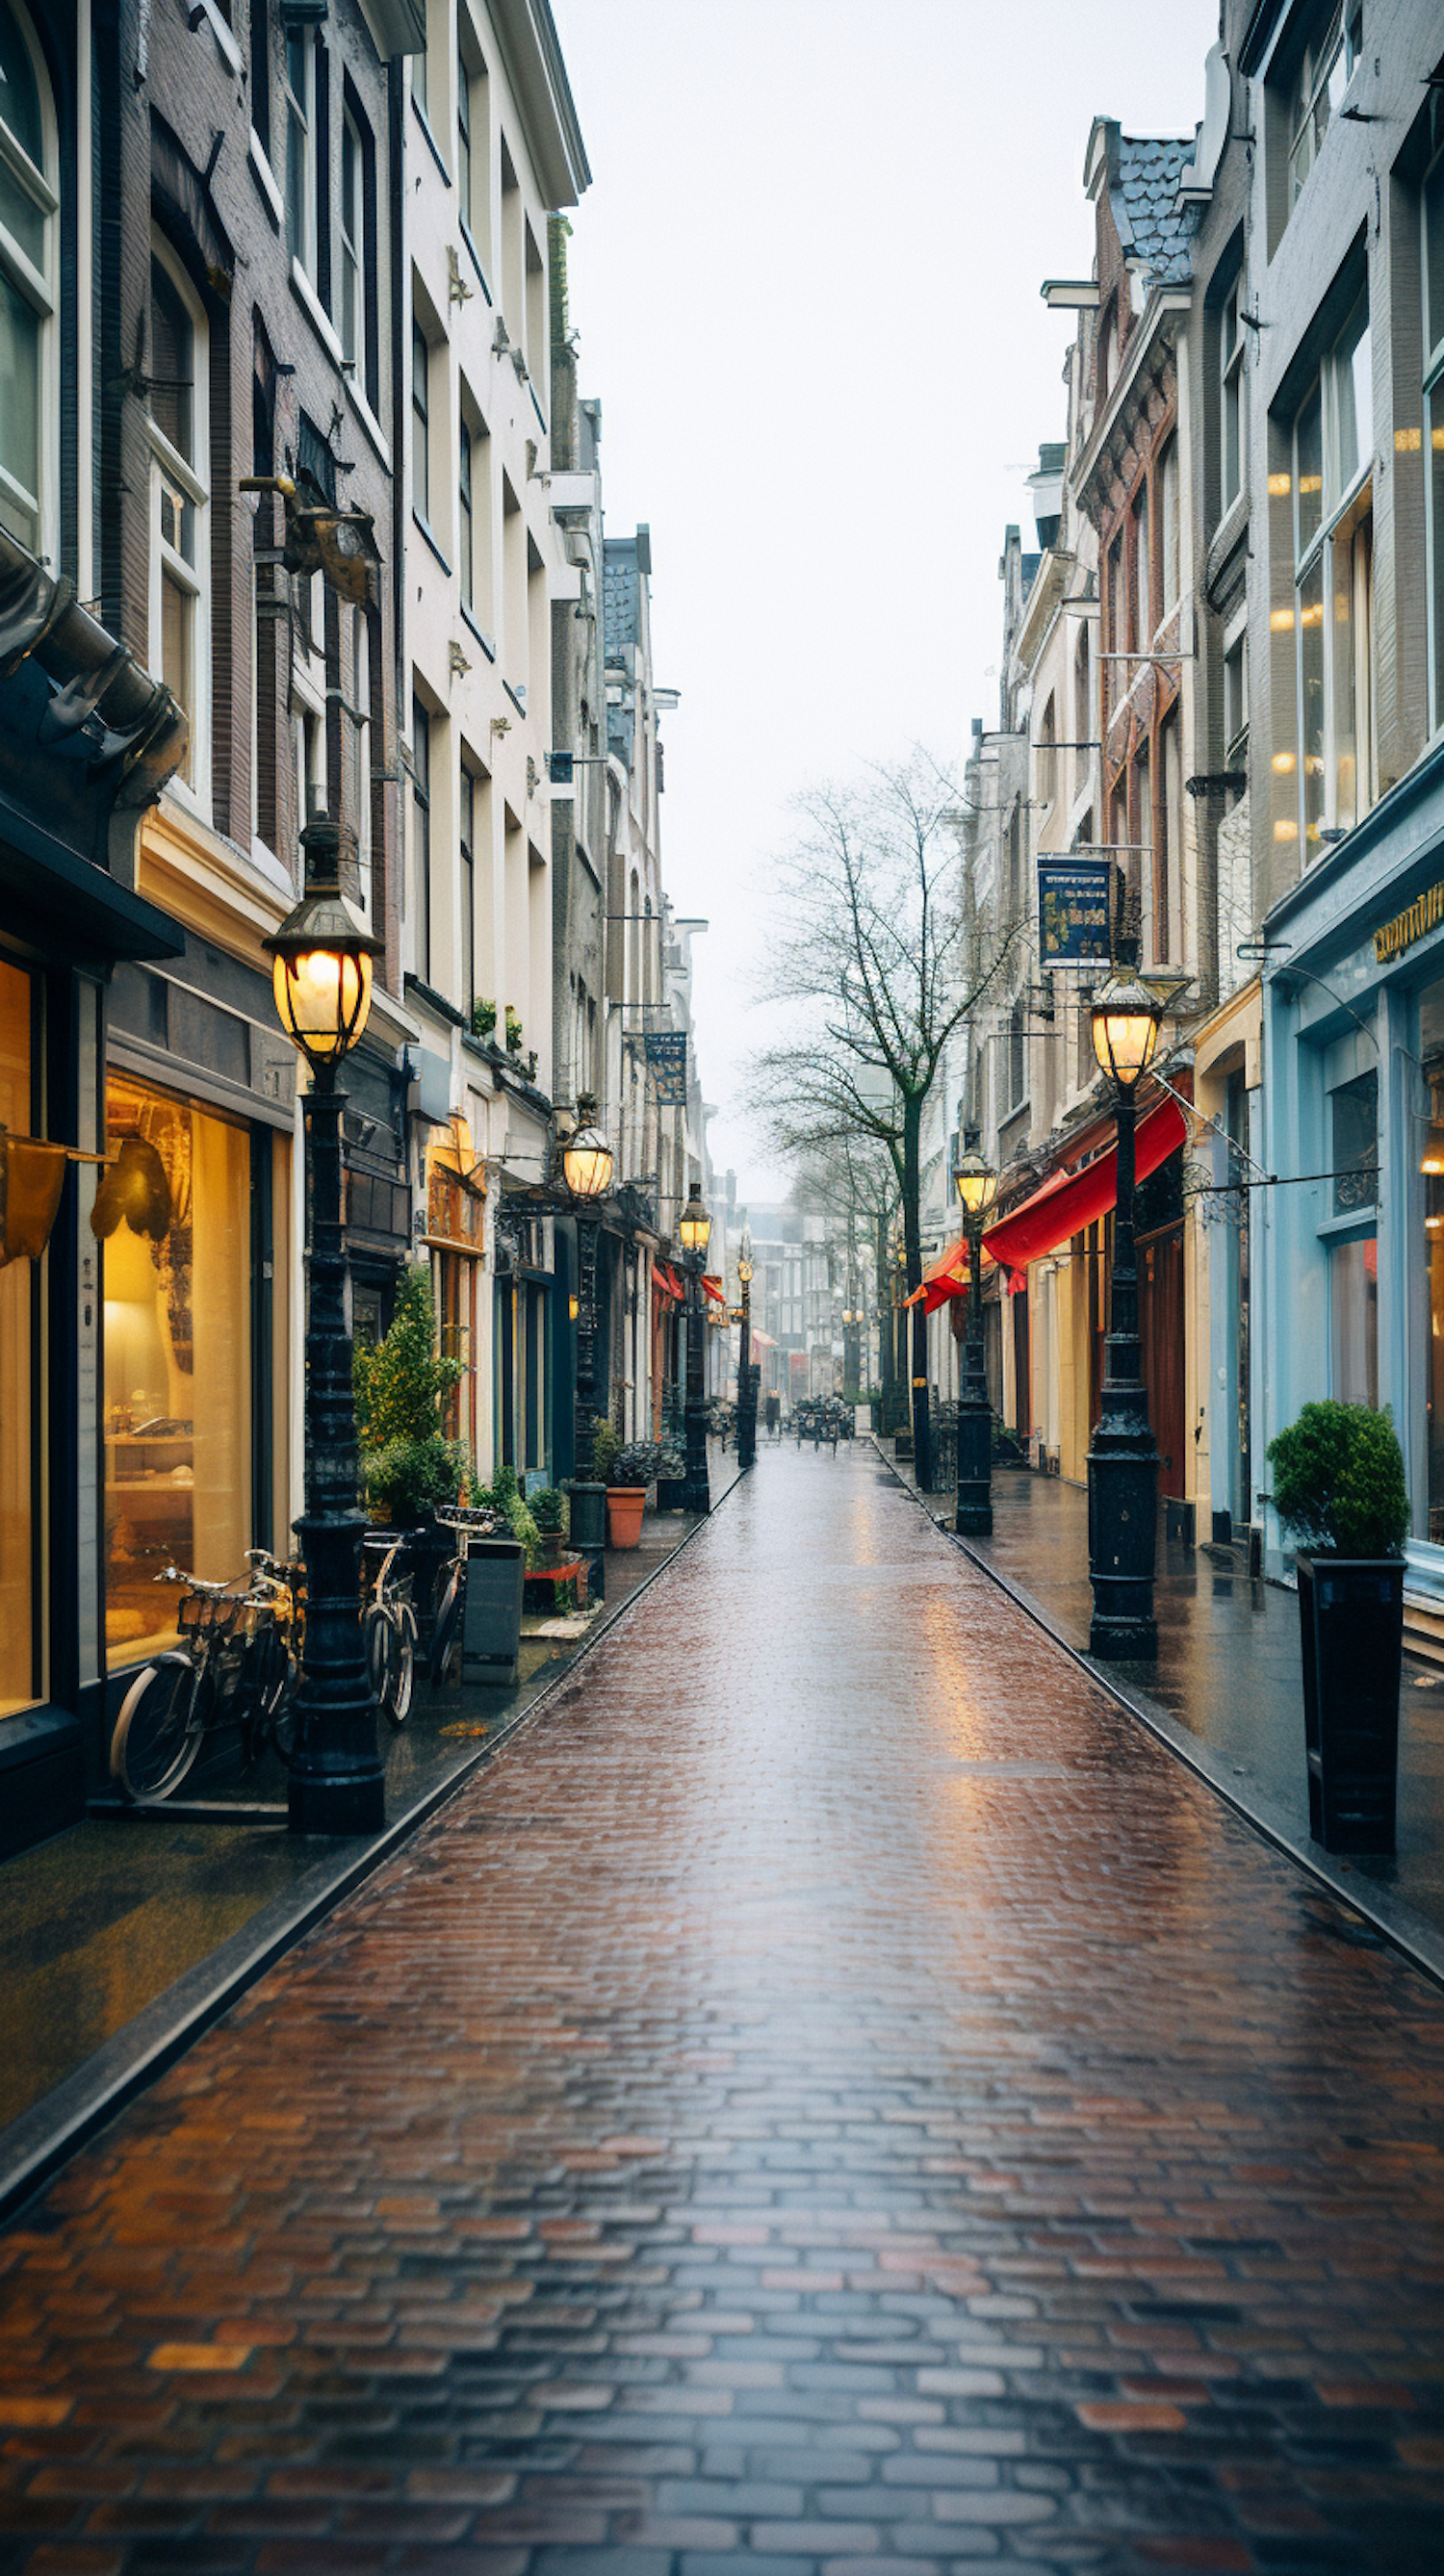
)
(1158, 325)
(528, 38)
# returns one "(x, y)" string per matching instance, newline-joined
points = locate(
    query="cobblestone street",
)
(835, 2095)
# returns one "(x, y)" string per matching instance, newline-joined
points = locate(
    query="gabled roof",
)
(1143, 193)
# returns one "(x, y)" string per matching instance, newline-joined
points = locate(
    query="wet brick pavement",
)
(835, 2098)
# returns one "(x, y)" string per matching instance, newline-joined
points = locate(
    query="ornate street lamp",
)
(322, 977)
(694, 1227)
(747, 1372)
(1123, 1460)
(977, 1187)
(588, 1163)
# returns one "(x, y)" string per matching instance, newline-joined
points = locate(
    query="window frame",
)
(37, 287)
(1432, 414)
(1342, 510)
(421, 721)
(420, 420)
(1312, 88)
(168, 562)
(355, 281)
(1233, 396)
(465, 519)
(300, 178)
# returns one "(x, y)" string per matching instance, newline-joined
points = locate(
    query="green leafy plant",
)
(408, 1466)
(597, 1467)
(549, 1510)
(513, 1032)
(483, 1017)
(635, 1465)
(504, 1495)
(1339, 1480)
(671, 1464)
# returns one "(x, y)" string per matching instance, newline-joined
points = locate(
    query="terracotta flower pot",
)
(625, 1505)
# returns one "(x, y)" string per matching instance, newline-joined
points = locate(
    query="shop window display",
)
(175, 1215)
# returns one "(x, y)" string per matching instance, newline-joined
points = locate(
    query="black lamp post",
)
(1123, 1461)
(747, 1373)
(977, 1186)
(587, 1165)
(694, 1227)
(322, 978)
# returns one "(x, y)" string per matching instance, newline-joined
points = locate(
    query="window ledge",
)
(1354, 1225)
(226, 45)
(310, 302)
(265, 179)
(369, 422)
(422, 119)
(417, 521)
(475, 258)
(487, 642)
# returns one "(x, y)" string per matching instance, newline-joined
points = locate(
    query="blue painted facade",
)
(1340, 1023)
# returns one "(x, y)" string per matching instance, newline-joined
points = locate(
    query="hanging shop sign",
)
(667, 1060)
(1075, 912)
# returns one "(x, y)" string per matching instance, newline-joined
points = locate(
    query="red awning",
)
(944, 1278)
(665, 1282)
(713, 1288)
(1071, 1200)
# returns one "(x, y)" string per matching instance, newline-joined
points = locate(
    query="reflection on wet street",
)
(835, 2094)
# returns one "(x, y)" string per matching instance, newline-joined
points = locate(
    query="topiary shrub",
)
(1339, 1480)
(603, 1447)
(637, 1464)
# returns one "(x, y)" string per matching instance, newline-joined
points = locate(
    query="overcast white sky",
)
(806, 282)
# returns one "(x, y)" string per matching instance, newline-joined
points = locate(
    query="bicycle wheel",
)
(265, 1678)
(443, 1634)
(397, 1702)
(158, 1732)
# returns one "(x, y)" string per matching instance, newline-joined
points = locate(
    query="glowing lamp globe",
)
(1126, 1019)
(587, 1158)
(694, 1225)
(977, 1184)
(744, 1272)
(321, 957)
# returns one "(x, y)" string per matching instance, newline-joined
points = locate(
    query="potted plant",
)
(671, 1479)
(513, 1031)
(483, 1018)
(633, 1470)
(589, 1488)
(409, 1469)
(1339, 1488)
(549, 1511)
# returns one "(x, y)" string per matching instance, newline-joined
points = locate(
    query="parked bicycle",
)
(235, 1666)
(388, 1625)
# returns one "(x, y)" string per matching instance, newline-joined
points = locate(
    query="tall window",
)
(1317, 93)
(421, 846)
(1169, 531)
(468, 893)
(261, 74)
(420, 422)
(464, 518)
(301, 147)
(353, 248)
(1233, 397)
(179, 584)
(1333, 543)
(21, 1361)
(463, 137)
(359, 780)
(1142, 574)
(1434, 422)
(28, 206)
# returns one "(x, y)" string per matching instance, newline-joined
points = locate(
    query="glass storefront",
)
(178, 1415)
(20, 1347)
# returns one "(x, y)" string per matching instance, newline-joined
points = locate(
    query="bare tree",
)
(878, 958)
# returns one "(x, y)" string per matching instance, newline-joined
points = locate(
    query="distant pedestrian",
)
(774, 1417)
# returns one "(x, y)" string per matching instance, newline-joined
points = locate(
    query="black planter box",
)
(1351, 1612)
(670, 1490)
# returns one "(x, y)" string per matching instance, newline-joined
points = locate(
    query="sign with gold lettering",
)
(1423, 915)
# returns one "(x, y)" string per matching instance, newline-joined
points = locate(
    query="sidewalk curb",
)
(1397, 1924)
(35, 2146)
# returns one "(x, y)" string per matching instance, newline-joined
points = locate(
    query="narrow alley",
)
(834, 2095)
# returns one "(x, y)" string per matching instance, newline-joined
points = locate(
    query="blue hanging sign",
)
(667, 1060)
(1075, 912)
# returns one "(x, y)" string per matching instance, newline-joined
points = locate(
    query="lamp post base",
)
(1122, 1526)
(322, 1804)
